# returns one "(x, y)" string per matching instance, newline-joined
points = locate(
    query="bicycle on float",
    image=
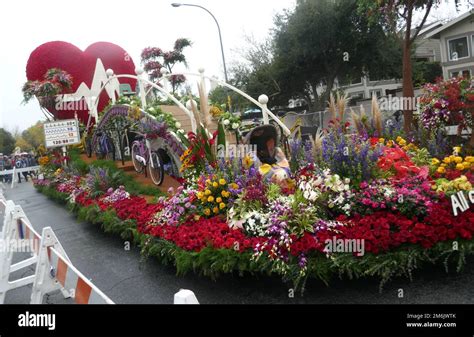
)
(143, 157)
(104, 145)
(86, 140)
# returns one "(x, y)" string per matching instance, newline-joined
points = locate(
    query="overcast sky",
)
(133, 25)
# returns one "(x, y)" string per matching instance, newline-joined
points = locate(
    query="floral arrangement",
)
(230, 121)
(116, 195)
(448, 102)
(391, 194)
(55, 82)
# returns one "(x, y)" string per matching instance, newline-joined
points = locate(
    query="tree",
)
(321, 41)
(254, 74)
(397, 16)
(154, 59)
(34, 135)
(23, 145)
(7, 142)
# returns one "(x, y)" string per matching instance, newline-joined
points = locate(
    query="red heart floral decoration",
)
(81, 66)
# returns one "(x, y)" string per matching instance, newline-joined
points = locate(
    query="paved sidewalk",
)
(126, 279)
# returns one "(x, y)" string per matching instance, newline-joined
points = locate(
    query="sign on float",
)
(62, 133)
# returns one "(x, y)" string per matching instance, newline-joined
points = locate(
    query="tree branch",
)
(420, 27)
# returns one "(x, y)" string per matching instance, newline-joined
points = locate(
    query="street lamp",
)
(218, 28)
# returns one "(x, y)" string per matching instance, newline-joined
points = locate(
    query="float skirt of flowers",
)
(394, 243)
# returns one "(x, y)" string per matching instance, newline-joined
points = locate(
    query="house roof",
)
(429, 27)
(435, 33)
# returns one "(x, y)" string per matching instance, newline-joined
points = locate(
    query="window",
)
(377, 93)
(472, 44)
(463, 73)
(458, 48)
(466, 73)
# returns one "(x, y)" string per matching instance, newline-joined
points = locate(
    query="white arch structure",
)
(261, 103)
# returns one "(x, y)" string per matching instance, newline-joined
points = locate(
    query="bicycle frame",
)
(144, 147)
(143, 155)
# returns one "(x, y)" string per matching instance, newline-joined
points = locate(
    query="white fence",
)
(15, 171)
(54, 271)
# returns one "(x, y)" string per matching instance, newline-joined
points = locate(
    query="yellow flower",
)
(218, 199)
(215, 184)
(459, 167)
(225, 194)
(221, 205)
(234, 186)
(441, 170)
(215, 210)
(447, 160)
(208, 182)
(207, 211)
(200, 195)
(381, 140)
(469, 159)
(207, 192)
(210, 199)
(456, 149)
(434, 161)
(457, 160)
(222, 181)
(247, 161)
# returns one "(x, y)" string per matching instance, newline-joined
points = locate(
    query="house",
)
(456, 40)
(426, 48)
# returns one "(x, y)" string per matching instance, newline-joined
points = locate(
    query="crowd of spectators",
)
(18, 161)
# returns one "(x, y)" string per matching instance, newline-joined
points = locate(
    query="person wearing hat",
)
(270, 159)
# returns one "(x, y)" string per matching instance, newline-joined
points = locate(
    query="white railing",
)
(54, 270)
(15, 170)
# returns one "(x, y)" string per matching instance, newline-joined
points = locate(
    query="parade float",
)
(358, 198)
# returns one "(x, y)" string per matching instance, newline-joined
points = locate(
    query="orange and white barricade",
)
(55, 270)
(11, 237)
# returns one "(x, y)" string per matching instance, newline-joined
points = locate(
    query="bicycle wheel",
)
(98, 150)
(88, 147)
(125, 148)
(157, 172)
(137, 164)
(110, 151)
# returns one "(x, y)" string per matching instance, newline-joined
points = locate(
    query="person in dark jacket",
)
(18, 165)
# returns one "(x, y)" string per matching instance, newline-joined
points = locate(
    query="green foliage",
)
(426, 72)
(342, 44)
(273, 192)
(220, 136)
(420, 157)
(7, 142)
